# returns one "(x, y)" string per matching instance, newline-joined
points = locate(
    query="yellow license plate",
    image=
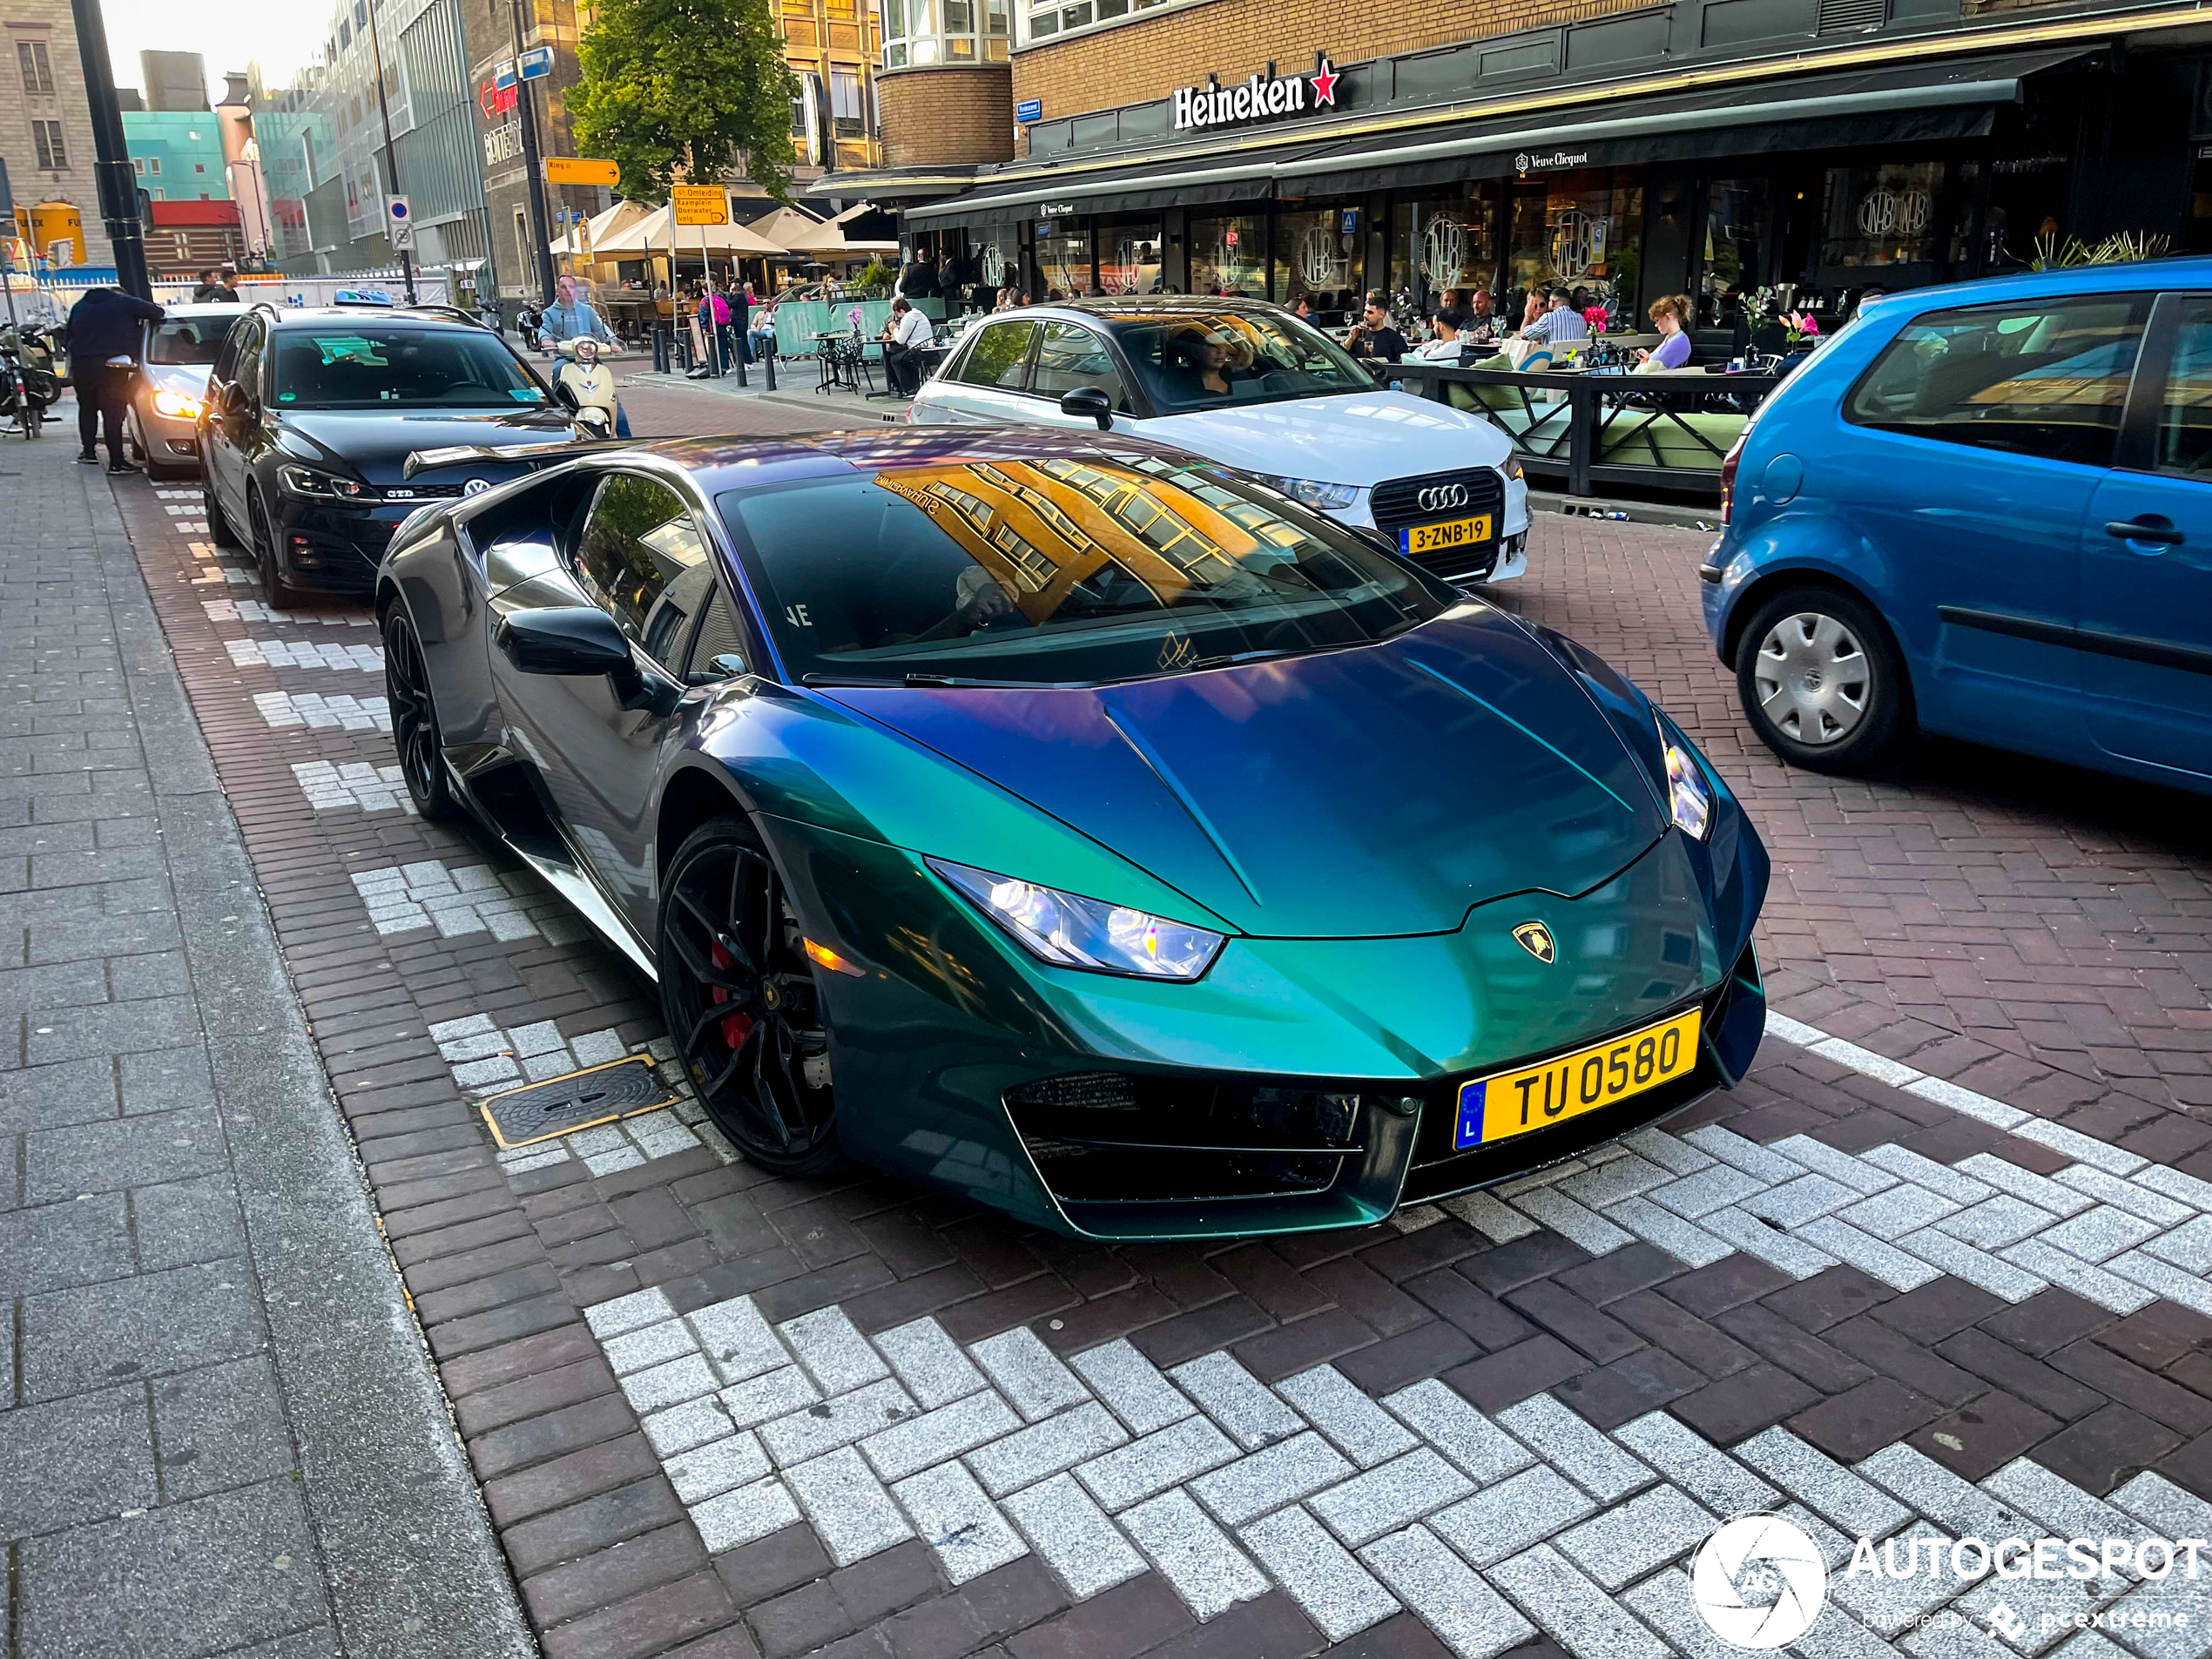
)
(1452, 532)
(1491, 1108)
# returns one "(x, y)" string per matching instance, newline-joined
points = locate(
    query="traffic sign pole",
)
(404, 248)
(533, 179)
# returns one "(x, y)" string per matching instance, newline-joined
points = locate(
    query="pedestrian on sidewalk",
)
(105, 332)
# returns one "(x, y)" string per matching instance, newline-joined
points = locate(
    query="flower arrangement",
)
(1798, 327)
(1595, 317)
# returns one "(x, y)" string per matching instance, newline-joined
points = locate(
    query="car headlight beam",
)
(1312, 492)
(178, 406)
(1070, 931)
(1689, 799)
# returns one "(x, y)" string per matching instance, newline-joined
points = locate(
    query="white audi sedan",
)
(1251, 386)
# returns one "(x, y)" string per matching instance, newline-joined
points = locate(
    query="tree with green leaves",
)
(679, 89)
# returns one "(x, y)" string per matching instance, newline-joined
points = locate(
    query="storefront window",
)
(1444, 240)
(1129, 256)
(2027, 214)
(996, 253)
(1229, 256)
(1064, 262)
(1581, 230)
(1880, 225)
(1318, 258)
(1739, 237)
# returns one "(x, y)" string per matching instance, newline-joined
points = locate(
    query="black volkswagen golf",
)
(312, 413)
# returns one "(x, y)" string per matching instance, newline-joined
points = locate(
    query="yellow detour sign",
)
(573, 169)
(700, 204)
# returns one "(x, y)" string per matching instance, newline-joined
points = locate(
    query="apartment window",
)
(153, 166)
(46, 140)
(38, 68)
(345, 34)
(156, 195)
(360, 14)
(139, 165)
(199, 166)
(845, 103)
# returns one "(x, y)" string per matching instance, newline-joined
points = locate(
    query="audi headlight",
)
(323, 486)
(1511, 469)
(1689, 798)
(176, 406)
(1312, 492)
(1072, 931)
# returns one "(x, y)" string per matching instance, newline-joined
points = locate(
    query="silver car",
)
(163, 423)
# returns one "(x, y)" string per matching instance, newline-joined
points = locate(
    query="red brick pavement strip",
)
(499, 1265)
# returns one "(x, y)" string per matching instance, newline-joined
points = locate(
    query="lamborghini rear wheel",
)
(741, 1002)
(414, 719)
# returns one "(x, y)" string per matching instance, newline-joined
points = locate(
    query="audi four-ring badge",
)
(1077, 824)
(1251, 386)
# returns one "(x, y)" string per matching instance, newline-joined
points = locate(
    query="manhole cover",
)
(574, 1100)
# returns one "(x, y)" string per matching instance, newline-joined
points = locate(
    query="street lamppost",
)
(117, 185)
(391, 161)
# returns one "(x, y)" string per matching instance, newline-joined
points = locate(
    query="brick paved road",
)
(1939, 1266)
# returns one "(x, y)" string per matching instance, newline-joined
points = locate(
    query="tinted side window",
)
(1000, 356)
(2185, 421)
(638, 546)
(718, 647)
(1070, 356)
(246, 371)
(2048, 378)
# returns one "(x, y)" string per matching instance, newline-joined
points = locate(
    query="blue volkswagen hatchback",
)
(1984, 510)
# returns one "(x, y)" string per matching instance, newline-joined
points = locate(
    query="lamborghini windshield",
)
(1033, 570)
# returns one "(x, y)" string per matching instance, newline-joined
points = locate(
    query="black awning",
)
(1897, 104)
(1194, 180)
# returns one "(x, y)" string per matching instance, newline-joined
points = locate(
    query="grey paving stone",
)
(681, 1427)
(2187, 1247)
(1923, 1171)
(58, 1163)
(1466, 1614)
(2174, 1625)
(1587, 1457)
(855, 1517)
(1670, 1152)
(1686, 1241)
(1788, 1251)
(773, 1394)
(1837, 1166)
(932, 1437)
(166, 1079)
(1797, 1202)
(670, 1383)
(835, 1354)
(2133, 1196)
(1132, 1386)
(75, 1459)
(1624, 1543)
(2068, 1272)
(953, 1517)
(1029, 1374)
(1046, 1448)
(1956, 1505)
(1240, 1404)
(1821, 1484)
(737, 1340)
(1692, 1196)
(1997, 1221)
(734, 1461)
(110, 1029)
(656, 1345)
(1442, 1418)
(1977, 1266)
(1627, 1176)
(833, 1423)
(1887, 1605)
(198, 1577)
(929, 1363)
(1151, 1463)
(220, 1427)
(1394, 1495)
(2039, 1190)
(1547, 1585)
(1357, 1427)
(1506, 1519)
(1572, 1221)
(2099, 1234)
(2164, 1506)
(1763, 1164)
(745, 1515)
(1266, 1480)
(1207, 1569)
(181, 1222)
(631, 1313)
(1073, 1536)
(1693, 1463)
(1333, 1589)
(1896, 1268)
(2065, 1508)
(55, 1245)
(1664, 1603)
(72, 1091)
(2033, 1602)
(82, 1338)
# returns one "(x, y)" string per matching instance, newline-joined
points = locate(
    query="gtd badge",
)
(475, 487)
(1759, 1582)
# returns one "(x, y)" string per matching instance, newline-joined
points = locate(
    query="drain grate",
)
(574, 1100)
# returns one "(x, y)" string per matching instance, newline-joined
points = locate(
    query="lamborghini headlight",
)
(1312, 492)
(176, 406)
(1689, 799)
(1069, 931)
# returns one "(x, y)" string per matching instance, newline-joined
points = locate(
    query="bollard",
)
(768, 361)
(736, 358)
(660, 349)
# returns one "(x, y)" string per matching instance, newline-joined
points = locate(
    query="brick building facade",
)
(46, 125)
(948, 114)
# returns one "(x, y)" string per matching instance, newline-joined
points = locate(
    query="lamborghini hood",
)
(1379, 791)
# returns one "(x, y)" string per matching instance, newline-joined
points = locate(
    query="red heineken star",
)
(1325, 84)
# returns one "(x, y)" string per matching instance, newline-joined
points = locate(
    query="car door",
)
(987, 384)
(1070, 356)
(230, 421)
(2146, 558)
(640, 552)
(1984, 432)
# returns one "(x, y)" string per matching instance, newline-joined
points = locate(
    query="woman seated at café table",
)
(1670, 315)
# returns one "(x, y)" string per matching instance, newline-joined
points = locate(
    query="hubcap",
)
(1813, 681)
(743, 1004)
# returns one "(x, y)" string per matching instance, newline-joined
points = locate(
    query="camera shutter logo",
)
(1759, 1582)
(1439, 498)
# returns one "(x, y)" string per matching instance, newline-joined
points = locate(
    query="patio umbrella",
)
(612, 222)
(650, 235)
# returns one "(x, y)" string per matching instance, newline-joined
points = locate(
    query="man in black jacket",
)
(105, 336)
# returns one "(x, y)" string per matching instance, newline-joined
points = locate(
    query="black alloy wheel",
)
(276, 592)
(414, 720)
(741, 1001)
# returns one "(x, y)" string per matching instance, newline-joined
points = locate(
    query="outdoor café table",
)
(837, 369)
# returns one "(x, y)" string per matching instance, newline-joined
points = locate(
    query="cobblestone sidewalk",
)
(218, 1432)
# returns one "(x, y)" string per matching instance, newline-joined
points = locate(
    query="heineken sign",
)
(1262, 98)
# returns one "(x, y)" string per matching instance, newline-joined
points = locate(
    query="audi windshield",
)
(1196, 360)
(1078, 570)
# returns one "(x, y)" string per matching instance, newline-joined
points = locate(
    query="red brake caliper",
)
(736, 1027)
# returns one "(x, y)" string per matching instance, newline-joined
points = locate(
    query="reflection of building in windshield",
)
(1041, 527)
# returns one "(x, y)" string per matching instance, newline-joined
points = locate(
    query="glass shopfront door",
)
(1129, 255)
(1228, 255)
(1318, 258)
(1064, 263)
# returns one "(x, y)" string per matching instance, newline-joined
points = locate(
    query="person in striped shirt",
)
(1560, 322)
